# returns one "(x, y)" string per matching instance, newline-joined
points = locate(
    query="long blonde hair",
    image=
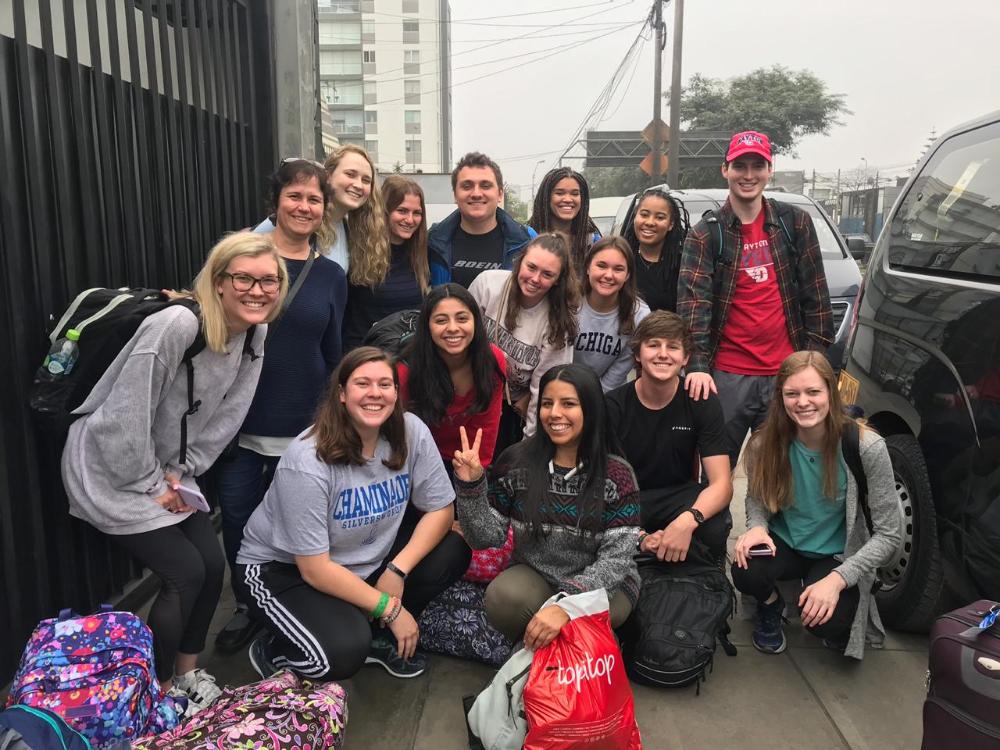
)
(368, 245)
(205, 287)
(769, 467)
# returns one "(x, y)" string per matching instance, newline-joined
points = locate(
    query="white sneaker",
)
(199, 686)
(186, 706)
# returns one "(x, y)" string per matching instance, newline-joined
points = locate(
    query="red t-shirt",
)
(445, 432)
(755, 337)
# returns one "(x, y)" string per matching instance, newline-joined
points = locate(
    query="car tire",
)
(913, 600)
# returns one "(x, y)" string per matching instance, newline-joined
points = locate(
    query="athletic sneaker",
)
(199, 686)
(186, 708)
(260, 656)
(768, 637)
(383, 651)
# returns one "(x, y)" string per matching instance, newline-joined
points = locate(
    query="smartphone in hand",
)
(760, 550)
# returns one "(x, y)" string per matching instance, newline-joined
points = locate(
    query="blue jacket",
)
(440, 236)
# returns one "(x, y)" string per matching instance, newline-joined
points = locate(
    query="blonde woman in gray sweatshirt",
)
(122, 465)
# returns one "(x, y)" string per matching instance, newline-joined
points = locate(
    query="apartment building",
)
(384, 77)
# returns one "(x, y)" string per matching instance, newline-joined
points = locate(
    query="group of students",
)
(591, 394)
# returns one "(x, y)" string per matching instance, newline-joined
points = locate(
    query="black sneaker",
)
(383, 652)
(260, 656)
(237, 633)
(769, 637)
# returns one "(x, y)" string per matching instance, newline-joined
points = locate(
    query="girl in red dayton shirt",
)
(451, 375)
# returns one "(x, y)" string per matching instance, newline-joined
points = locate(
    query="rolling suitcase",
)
(963, 689)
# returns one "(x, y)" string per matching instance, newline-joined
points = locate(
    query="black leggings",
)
(325, 638)
(759, 579)
(189, 562)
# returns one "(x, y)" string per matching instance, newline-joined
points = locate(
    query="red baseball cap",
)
(749, 142)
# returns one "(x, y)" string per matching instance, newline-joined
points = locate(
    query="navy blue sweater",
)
(301, 354)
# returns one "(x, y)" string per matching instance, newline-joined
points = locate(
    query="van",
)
(923, 363)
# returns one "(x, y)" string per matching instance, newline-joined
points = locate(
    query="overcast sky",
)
(905, 66)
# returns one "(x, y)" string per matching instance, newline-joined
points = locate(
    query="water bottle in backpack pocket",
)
(96, 672)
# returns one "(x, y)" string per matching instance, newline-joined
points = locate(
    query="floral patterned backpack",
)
(279, 713)
(96, 672)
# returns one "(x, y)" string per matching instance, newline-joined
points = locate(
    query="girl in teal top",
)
(804, 520)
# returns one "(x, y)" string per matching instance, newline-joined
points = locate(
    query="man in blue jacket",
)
(479, 235)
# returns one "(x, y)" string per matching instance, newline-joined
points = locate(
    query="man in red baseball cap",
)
(752, 291)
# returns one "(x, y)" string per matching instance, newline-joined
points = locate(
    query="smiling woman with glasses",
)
(303, 349)
(131, 458)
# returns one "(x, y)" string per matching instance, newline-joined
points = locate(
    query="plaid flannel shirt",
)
(708, 281)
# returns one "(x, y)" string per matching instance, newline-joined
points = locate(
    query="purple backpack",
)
(97, 673)
(279, 713)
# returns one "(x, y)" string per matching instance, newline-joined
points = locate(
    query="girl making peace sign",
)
(573, 505)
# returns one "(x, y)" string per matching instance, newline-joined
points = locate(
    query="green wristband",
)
(383, 602)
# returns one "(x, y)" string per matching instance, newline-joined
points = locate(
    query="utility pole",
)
(656, 145)
(674, 157)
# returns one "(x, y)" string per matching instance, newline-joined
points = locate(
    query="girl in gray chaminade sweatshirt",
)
(805, 518)
(610, 312)
(530, 313)
(121, 464)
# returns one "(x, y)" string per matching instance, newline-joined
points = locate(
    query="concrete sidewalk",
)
(808, 697)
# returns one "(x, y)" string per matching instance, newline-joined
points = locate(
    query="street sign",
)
(647, 165)
(623, 148)
(654, 127)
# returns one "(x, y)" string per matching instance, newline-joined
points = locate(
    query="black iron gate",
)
(133, 134)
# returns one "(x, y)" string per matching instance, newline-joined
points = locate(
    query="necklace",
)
(649, 263)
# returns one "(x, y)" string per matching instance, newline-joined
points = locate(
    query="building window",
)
(341, 92)
(411, 61)
(411, 32)
(372, 148)
(340, 6)
(413, 152)
(371, 122)
(368, 56)
(338, 63)
(339, 32)
(411, 92)
(348, 122)
(411, 120)
(368, 31)
(371, 95)
(411, 6)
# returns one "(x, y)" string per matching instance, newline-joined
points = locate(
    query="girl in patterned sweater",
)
(573, 505)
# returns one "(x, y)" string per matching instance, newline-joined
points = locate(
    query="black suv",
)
(843, 278)
(924, 364)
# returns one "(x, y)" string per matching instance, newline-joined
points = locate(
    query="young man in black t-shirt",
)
(676, 445)
(480, 235)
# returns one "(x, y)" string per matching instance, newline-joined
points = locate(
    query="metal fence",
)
(132, 134)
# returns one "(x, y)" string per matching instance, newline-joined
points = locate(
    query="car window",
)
(828, 245)
(949, 220)
(696, 207)
(603, 224)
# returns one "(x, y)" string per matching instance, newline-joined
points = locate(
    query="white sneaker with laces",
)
(199, 686)
(191, 707)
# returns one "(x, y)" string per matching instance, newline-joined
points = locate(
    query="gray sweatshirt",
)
(129, 436)
(602, 348)
(863, 554)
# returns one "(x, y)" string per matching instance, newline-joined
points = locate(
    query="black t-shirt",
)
(662, 444)
(471, 254)
(657, 282)
(366, 306)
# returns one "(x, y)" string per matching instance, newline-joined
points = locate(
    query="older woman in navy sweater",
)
(304, 347)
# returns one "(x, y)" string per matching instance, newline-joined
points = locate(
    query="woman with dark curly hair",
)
(562, 204)
(656, 235)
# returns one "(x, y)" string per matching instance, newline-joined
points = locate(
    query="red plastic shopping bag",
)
(578, 696)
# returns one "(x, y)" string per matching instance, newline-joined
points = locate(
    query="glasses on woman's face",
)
(244, 282)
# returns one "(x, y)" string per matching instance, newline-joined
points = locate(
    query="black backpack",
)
(783, 211)
(106, 320)
(682, 613)
(393, 332)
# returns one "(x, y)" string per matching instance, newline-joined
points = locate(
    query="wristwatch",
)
(699, 517)
(394, 569)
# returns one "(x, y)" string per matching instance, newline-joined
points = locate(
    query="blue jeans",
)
(241, 483)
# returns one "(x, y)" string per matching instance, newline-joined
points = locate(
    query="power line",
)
(478, 21)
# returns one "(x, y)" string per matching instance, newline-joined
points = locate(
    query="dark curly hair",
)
(581, 230)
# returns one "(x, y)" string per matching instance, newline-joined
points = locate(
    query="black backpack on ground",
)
(106, 319)
(682, 614)
(393, 332)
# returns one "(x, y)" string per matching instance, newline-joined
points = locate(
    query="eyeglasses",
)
(293, 159)
(244, 282)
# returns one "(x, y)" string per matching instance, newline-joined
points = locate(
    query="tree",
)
(785, 104)
(513, 204)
